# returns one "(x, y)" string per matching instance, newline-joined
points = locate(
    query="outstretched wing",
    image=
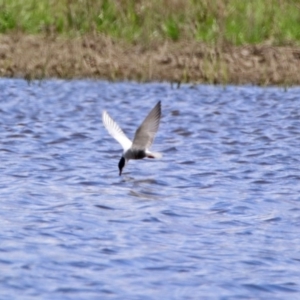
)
(115, 131)
(145, 134)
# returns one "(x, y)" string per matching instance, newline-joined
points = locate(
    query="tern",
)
(143, 137)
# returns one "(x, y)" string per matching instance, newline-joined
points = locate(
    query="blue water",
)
(218, 217)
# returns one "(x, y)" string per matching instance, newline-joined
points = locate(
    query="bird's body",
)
(135, 154)
(143, 139)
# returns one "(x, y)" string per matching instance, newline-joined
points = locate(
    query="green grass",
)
(138, 21)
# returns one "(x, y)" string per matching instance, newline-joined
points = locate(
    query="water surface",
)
(216, 218)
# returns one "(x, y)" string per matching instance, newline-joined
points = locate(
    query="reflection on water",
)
(216, 217)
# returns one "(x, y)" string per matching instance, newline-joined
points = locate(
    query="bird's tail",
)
(154, 155)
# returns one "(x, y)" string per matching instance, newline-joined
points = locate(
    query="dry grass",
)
(100, 57)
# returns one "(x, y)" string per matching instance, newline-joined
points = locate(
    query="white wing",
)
(145, 134)
(115, 131)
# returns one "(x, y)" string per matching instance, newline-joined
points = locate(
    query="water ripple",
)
(216, 218)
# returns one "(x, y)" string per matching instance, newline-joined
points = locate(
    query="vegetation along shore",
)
(211, 41)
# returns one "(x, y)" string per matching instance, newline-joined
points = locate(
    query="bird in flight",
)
(143, 137)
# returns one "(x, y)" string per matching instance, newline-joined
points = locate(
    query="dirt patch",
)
(35, 57)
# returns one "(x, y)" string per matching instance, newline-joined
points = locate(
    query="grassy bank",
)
(214, 41)
(236, 22)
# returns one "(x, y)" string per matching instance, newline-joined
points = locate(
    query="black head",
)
(121, 164)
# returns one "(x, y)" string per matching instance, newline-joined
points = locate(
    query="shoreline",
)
(98, 57)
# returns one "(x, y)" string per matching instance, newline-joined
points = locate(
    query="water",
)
(217, 218)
